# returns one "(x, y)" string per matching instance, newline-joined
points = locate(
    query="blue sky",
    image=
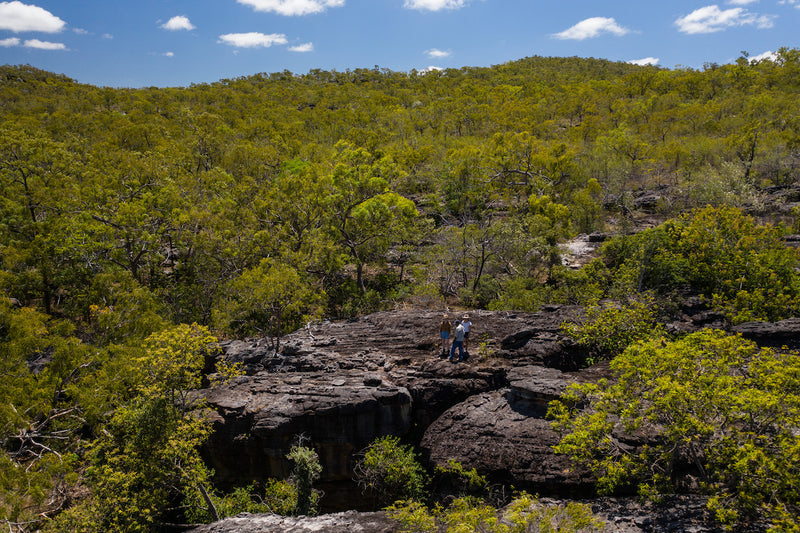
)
(121, 43)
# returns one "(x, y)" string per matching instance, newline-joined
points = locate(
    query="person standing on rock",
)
(444, 333)
(458, 342)
(466, 324)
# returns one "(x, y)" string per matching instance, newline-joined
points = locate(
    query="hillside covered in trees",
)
(137, 224)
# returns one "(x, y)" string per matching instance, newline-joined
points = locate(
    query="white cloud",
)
(169, 54)
(436, 53)
(769, 55)
(430, 69)
(17, 17)
(305, 47)
(11, 41)
(592, 27)
(795, 3)
(108, 36)
(644, 61)
(80, 31)
(292, 7)
(710, 19)
(741, 2)
(435, 5)
(178, 23)
(44, 45)
(252, 39)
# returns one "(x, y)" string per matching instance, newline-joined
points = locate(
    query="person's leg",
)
(461, 351)
(455, 344)
(466, 341)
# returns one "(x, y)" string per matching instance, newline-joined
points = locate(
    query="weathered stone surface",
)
(408, 338)
(775, 334)
(258, 418)
(342, 384)
(511, 423)
(350, 522)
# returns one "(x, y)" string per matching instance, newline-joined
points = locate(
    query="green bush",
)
(715, 404)
(743, 268)
(525, 514)
(608, 329)
(306, 470)
(390, 471)
(280, 497)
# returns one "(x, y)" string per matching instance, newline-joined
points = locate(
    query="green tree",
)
(38, 180)
(365, 215)
(715, 406)
(147, 466)
(271, 300)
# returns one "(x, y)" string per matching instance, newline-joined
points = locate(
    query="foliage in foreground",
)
(147, 464)
(525, 514)
(390, 471)
(716, 407)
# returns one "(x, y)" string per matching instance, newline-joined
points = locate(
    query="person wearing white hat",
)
(467, 324)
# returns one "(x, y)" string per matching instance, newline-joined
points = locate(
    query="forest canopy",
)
(137, 225)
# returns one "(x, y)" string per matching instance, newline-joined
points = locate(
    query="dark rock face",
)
(343, 384)
(350, 522)
(511, 423)
(260, 417)
(774, 334)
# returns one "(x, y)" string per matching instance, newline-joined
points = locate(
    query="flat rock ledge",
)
(346, 522)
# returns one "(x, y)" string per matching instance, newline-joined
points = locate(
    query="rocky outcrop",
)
(410, 337)
(350, 522)
(775, 334)
(258, 418)
(511, 423)
(342, 384)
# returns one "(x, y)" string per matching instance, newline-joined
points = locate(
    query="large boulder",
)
(511, 423)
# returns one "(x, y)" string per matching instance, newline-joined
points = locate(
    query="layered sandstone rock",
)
(504, 434)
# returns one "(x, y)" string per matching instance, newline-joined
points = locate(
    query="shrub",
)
(745, 269)
(607, 329)
(715, 404)
(525, 514)
(390, 471)
(305, 472)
